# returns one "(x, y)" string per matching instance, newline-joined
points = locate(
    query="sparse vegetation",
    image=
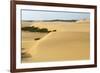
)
(23, 48)
(35, 29)
(25, 55)
(37, 39)
(53, 30)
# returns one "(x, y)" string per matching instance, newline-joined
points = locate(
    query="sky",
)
(50, 15)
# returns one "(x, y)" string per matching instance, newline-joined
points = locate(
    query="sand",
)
(70, 42)
(64, 26)
(56, 47)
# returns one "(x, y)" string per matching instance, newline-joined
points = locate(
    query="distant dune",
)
(64, 26)
(26, 23)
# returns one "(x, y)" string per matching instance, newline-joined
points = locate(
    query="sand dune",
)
(62, 46)
(70, 42)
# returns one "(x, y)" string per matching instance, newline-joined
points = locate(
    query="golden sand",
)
(71, 41)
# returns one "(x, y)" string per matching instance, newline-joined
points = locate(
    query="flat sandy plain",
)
(71, 41)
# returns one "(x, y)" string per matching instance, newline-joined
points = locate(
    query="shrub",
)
(25, 55)
(34, 29)
(53, 30)
(37, 39)
(43, 30)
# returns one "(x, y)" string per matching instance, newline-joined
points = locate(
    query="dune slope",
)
(62, 46)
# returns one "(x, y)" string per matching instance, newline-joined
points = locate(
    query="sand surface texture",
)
(70, 42)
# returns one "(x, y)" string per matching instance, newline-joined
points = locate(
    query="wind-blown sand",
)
(70, 42)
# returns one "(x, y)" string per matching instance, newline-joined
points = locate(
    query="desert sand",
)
(64, 26)
(70, 42)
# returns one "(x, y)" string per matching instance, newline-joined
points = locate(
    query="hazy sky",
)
(50, 15)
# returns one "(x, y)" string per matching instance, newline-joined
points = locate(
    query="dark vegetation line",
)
(36, 29)
(59, 20)
(49, 20)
